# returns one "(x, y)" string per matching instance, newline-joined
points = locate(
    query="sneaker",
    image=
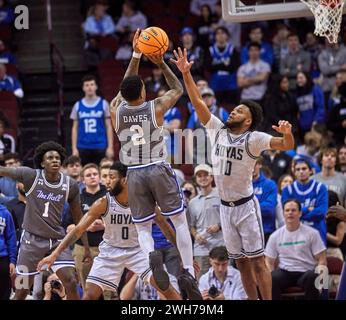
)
(188, 286)
(160, 275)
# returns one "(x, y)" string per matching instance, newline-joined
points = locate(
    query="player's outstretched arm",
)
(8, 172)
(287, 141)
(95, 212)
(184, 67)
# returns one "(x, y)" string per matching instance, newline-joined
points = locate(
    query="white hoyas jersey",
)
(234, 158)
(120, 230)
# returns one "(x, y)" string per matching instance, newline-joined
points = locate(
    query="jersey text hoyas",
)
(229, 152)
(121, 219)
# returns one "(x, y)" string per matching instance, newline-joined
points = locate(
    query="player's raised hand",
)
(135, 41)
(155, 58)
(181, 60)
(47, 261)
(284, 127)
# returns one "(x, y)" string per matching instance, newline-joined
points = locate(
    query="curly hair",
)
(256, 113)
(44, 147)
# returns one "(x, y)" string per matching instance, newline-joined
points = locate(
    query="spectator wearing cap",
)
(204, 217)
(312, 195)
(266, 192)
(10, 83)
(252, 76)
(336, 122)
(266, 50)
(223, 63)
(5, 55)
(200, 153)
(194, 52)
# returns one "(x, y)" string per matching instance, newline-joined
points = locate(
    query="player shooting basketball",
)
(235, 148)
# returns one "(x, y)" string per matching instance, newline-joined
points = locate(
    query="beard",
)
(234, 125)
(118, 188)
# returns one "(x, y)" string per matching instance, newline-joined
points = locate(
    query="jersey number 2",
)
(137, 138)
(46, 207)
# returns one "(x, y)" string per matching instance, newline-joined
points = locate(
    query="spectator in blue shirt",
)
(10, 83)
(8, 252)
(6, 13)
(8, 187)
(256, 35)
(266, 192)
(312, 195)
(5, 55)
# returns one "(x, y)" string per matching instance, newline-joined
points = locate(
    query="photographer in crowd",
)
(54, 289)
(222, 281)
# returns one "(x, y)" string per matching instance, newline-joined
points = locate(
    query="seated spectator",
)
(295, 61)
(104, 176)
(131, 19)
(277, 161)
(223, 63)
(137, 289)
(265, 191)
(73, 167)
(335, 230)
(7, 142)
(342, 160)
(331, 59)
(54, 289)
(6, 13)
(8, 188)
(279, 103)
(204, 214)
(335, 97)
(99, 23)
(124, 52)
(310, 101)
(310, 150)
(222, 281)
(336, 122)
(204, 28)
(10, 83)
(312, 195)
(284, 181)
(8, 252)
(332, 179)
(196, 5)
(156, 81)
(314, 48)
(266, 50)
(299, 250)
(189, 190)
(253, 75)
(5, 55)
(280, 45)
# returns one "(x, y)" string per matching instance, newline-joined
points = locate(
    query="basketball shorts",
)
(153, 184)
(109, 265)
(33, 248)
(242, 229)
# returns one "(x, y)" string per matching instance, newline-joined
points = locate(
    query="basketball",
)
(153, 40)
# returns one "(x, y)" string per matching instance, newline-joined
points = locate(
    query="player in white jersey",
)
(120, 247)
(235, 148)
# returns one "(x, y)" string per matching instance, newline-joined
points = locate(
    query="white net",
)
(328, 15)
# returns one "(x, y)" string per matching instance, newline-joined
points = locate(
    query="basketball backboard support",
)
(252, 10)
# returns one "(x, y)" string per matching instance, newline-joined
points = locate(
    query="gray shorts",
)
(151, 185)
(34, 248)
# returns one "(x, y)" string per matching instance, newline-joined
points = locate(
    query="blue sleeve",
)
(12, 58)
(285, 195)
(5, 199)
(16, 84)
(191, 122)
(269, 200)
(244, 55)
(319, 116)
(109, 25)
(269, 54)
(224, 115)
(321, 207)
(11, 239)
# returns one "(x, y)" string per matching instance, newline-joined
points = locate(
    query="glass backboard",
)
(252, 10)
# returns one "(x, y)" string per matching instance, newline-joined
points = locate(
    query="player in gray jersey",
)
(47, 191)
(139, 126)
(235, 148)
(120, 248)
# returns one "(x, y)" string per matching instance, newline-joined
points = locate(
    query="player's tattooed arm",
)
(95, 212)
(184, 67)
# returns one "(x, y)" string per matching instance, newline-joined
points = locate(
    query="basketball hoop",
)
(328, 14)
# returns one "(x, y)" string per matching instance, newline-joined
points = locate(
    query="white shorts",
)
(243, 230)
(109, 265)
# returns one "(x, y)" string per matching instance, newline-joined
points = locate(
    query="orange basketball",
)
(153, 40)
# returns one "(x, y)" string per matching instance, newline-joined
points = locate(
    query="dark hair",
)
(293, 34)
(254, 27)
(44, 147)
(333, 198)
(256, 112)
(342, 90)
(11, 155)
(306, 89)
(281, 179)
(131, 87)
(219, 253)
(192, 183)
(89, 166)
(297, 161)
(72, 160)
(254, 44)
(295, 201)
(88, 77)
(225, 30)
(121, 168)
